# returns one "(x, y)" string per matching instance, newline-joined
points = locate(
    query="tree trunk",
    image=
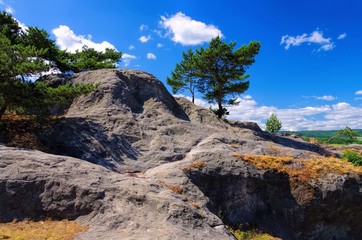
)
(219, 102)
(2, 110)
(192, 91)
(219, 113)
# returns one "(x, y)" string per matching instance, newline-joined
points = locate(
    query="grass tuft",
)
(251, 235)
(174, 188)
(42, 230)
(305, 170)
(197, 164)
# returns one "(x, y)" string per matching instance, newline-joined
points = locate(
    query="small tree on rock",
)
(347, 133)
(273, 124)
(221, 71)
(184, 75)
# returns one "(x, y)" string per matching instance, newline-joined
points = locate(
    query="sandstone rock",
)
(36, 185)
(134, 163)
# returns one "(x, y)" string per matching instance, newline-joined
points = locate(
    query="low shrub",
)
(353, 157)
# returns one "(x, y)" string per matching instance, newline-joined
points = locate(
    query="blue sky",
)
(308, 71)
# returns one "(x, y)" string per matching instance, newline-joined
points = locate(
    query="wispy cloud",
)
(159, 45)
(342, 36)
(145, 39)
(9, 10)
(327, 98)
(131, 47)
(151, 56)
(127, 58)
(68, 40)
(326, 117)
(316, 37)
(7, 7)
(143, 27)
(186, 31)
(359, 92)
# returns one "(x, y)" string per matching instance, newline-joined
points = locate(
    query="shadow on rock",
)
(87, 140)
(284, 207)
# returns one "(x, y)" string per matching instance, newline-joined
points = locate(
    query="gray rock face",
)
(134, 163)
(37, 185)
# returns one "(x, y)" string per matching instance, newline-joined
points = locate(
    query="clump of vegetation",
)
(343, 136)
(302, 169)
(197, 164)
(253, 234)
(174, 188)
(49, 229)
(27, 54)
(218, 72)
(273, 124)
(352, 156)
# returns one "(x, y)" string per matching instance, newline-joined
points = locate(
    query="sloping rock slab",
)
(36, 185)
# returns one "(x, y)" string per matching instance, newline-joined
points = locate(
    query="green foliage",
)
(328, 136)
(273, 124)
(218, 72)
(28, 53)
(346, 134)
(222, 112)
(90, 59)
(251, 234)
(352, 156)
(184, 75)
(221, 71)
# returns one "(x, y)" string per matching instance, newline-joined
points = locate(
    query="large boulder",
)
(134, 163)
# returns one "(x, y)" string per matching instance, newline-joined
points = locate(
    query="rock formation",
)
(134, 163)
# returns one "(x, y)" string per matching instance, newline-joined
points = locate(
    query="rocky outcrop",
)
(134, 163)
(36, 185)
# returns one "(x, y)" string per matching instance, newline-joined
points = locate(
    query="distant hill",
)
(319, 133)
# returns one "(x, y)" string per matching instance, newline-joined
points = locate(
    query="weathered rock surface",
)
(37, 185)
(134, 163)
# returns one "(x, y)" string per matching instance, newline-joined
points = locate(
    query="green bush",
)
(353, 157)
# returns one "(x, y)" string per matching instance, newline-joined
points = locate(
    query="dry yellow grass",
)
(304, 169)
(234, 145)
(197, 164)
(195, 204)
(174, 188)
(42, 230)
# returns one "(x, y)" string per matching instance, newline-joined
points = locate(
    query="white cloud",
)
(143, 27)
(187, 31)
(316, 37)
(131, 47)
(9, 10)
(327, 98)
(359, 92)
(145, 39)
(67, 39)
(127, 58)
(159, 45)
(151, 56)
(342, 36)
(22, 26)
(327, 117)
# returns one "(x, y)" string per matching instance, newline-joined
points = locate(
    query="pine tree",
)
(184, 75)
(221, 71)
(273, 124)
(29, 53)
